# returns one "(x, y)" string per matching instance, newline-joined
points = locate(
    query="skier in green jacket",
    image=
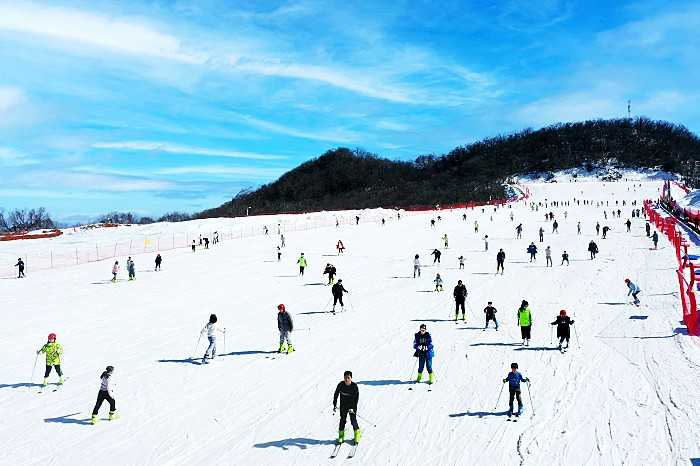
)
(525, 322)
(53, 353)
(302, 264)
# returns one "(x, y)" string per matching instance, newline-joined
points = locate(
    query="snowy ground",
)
(628, 395)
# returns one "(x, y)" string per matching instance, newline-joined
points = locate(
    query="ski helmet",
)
(110, 368)
(52, 336)
(562, 312)
(627, 280)
(280, 307)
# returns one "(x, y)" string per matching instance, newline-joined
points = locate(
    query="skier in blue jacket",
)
(423, 344)
(633, 290)
(514, 378)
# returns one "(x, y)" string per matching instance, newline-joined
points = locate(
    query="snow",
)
(628, 395)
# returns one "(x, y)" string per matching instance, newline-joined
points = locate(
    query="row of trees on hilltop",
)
(25, 220)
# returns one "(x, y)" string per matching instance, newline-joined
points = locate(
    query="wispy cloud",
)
(335, 136)
(10, 97)
(153, 146)
(393, 125)
(575, 106)
(12, 158)
(255, 172)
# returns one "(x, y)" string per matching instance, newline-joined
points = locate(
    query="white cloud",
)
(12, 158)
(576, 106)
(223, 170)
(393, 125)
(154, 146)
(123, 35)
(335, 136)
(10, 97)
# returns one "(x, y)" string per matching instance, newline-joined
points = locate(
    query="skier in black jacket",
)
(436, 256)
(349, 396)
(338, 289)
(460, 294)
(563, 323)
(500, 259)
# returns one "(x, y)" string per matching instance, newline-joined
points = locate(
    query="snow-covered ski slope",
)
(628, 395)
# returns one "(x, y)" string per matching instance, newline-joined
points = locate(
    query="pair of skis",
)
(336, 450)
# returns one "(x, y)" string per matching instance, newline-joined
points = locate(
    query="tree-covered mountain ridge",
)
(345, 178)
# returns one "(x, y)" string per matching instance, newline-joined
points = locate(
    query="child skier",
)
(423, 346)
(20, 264)
(53, 353)
(490, 312)
(105, 393)
(460, 295)
(532, 249)
(349, 395)
(340, 247)
(563, 323)
(633, 290)
(514, 378)
(115, 271)
(331, 271)
(525, 322)
(461, 262)
(564, 257)
(337, 290)
(438, 282)
(211, 328)
(285, 325)
(416, 266)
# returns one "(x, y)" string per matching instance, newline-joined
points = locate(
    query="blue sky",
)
(177, 105)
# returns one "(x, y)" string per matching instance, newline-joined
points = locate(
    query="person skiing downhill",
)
(605, 231)
(331, 271)
(578, 228)
(655, 239)
(628, 224)
(436, 255)
(115, 271)
(476, 226)
(302, 264)
(532, 249)
(285, 325)
(490, 313)
(20, 271)
(597, 228)
(131, 268)
(106, 393)
(555, 227)
(349, 395)
(211, 328)
(460, 295)
(541, 234)
(514, 378)
(564, 258)
(416, 266)
(194, 246)
(563, 323)
(525, 322)
(519, 230)
(486, 243)
(593, 249)
(500, 259)
(445, 241)
(423, 346)
(461, 262)
(548, 256)
(438, 282)
(337, 290)
(53, 351)
(633, 290)
(340, 247)
(159, 260)
(279, 254)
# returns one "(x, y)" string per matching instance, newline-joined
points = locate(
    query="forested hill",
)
(349, 179)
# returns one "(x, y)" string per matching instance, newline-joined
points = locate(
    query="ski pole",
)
(499, 395)
(576, 335)
(195, 348)
(530, 395)
(31, 379)
(224, 341)
(550, 334)
(413, 370)
(363, 418)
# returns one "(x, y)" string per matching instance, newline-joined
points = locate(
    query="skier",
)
(564, 257)
(500, 259)
(605, 231)
(416, 266)
(514, 378)
(633, 290)
(105, 393)
(265, 230)
(563, 323)
(159, 260)
(337, 290)
(302, 264)
(548, 256)
(279, 254)
(597, 228)
(445, 241)
(438, 282)
(349, 396)
(490, 313)
(541, 234)
(423, 344)
(460, 295)
(655, 239)
(340, 247)
(464, 217)
(519, 230)
(578, 228)
(486, 243)
(525, 322)
(432, 222)
(131, 268)
(436, 255)
(282, 240)
(20, 264)
(555, 227)
(200, 240)
(628, 224)
(593, 249)
(357, 219)
(532, 249)
(476, 226)
(461, 262)
(206, 242)
(211, 328)
(193, 246)
(53, 351)
(331, 271)
(647, 227)
(115, 271)
(285, 325)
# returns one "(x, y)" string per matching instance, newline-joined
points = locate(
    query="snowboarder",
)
(460, 295)
(53, 351)
(285, 325)
(302, 264)
(563, 323)
(593, 249)
(340, 247)
(647, 227)
(416, 266)
(445, 241)
(548, 256)
(490, 313)
(500, 259)
(115, 271)
(605, 231)
(159, 260)
(423, 346)
(564, 258)
(436, 255)
(655, 239)
(461, 262)
(438, 282)
(541, 234)
(628, 224)
(211, 328)
(20, 264)
(131, 268)
(633, 290)
(105, 393)
(514, 378)
(486, 243)
(519, 230)
(337, 291)
(525, 322)
(349, 396)
(331, 271)
(532, 249)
